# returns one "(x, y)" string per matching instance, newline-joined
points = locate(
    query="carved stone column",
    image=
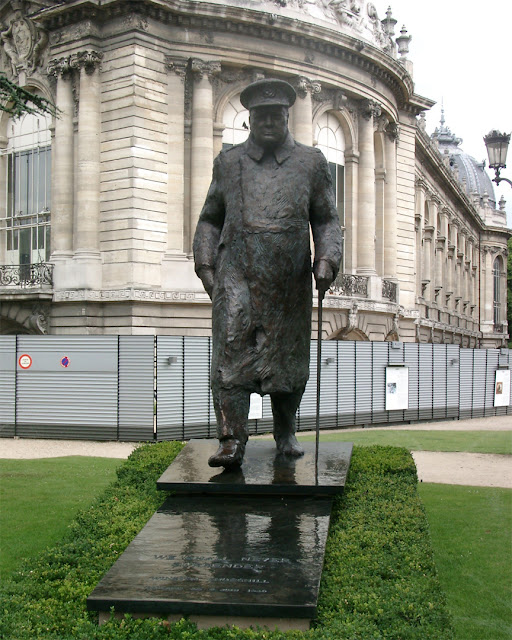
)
(418, 227)
(458, 280)
(488, 297)
(302, 109)
(427, 275)
(440, 260)
(3, 189)
(86, 233)
(380, 183)
(450, 275)
(351, 208)
(176, 154)
(62, 163)
(202, 136)
(390, 235)
(366, 191)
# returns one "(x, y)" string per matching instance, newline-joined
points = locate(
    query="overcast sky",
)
(461, 52)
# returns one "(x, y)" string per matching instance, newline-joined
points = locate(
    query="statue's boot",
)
(284, 408)
(231, 409)
(229, 454)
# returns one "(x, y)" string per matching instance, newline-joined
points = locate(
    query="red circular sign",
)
(64, 362)
(25, 361)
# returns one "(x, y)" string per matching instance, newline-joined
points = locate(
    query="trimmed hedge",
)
(379, 579)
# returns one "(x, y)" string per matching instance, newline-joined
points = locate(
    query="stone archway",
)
(24, 318)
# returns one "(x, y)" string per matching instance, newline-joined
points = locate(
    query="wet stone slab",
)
(264, 471)
(208, 555)
(232, 547)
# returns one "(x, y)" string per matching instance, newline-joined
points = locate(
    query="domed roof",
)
(357, 18)
(468, 171)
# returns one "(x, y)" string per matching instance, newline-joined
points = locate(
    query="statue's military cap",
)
(268, 92)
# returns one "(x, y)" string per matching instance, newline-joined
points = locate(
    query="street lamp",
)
(497, 147)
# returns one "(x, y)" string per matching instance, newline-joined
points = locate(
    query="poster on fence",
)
(397, 388)
(256, 407)
(502, 388)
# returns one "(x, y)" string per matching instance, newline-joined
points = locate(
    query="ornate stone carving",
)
(87, 60)
(59, 67)
(393, 131)
(23, 41)
(201, 68)
(370, 109)
(39, 319)
(137, 21)
(178, 65)
(304, 86)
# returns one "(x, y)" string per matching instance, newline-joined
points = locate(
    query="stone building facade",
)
(98, 206)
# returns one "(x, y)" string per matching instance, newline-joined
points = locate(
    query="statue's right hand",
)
(207, 275)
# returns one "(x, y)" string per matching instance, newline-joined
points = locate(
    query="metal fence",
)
(139, 388)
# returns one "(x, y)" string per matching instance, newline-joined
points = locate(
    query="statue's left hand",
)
(324, 275)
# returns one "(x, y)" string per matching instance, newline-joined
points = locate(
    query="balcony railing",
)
(499, 328)
(389, 290)
(26, 276)
(351, 286)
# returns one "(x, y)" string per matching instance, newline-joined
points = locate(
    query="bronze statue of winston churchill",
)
(252, 253)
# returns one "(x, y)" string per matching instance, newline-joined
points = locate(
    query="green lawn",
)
(470, 531)
(470, 441)
(470, 527)
(39, 498)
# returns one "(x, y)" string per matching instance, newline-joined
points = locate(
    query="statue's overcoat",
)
(254, 230)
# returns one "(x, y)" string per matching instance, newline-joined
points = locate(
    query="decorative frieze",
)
(125, 295)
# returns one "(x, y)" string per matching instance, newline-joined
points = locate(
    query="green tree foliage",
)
(16, 101)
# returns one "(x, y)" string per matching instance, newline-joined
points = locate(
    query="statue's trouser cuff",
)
(284, 410)
(231, 410)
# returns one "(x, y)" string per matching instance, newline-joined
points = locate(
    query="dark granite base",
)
(256, 554)
(211, 556)
(264, 470)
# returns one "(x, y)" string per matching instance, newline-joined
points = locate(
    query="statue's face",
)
(269, 125)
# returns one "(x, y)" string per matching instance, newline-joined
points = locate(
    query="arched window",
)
(496, 276)
(28, 189)
(236, 123)
(331, 141)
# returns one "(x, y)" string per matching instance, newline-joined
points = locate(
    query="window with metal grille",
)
(331, 141)
(28, 190)
(496, 275)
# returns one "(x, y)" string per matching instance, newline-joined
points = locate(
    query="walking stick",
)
(318, 375)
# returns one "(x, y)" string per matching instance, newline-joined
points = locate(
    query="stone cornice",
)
(246, 22)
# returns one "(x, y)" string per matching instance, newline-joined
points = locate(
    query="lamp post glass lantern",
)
(497, 147)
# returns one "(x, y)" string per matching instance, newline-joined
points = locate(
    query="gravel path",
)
(472, 469)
